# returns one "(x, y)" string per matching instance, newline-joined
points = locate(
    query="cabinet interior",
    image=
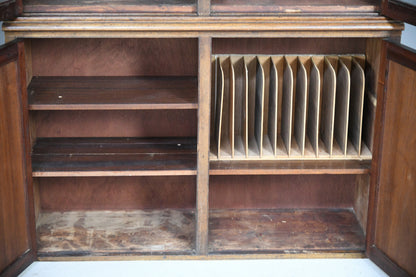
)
(113, 125)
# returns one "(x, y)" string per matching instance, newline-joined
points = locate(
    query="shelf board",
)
(95, 233)
(284, 231)
(289, 167)
(112, 93)
(289, 6)
(71, 157)
(109, 6)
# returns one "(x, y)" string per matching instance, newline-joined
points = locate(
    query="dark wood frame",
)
(398, 10)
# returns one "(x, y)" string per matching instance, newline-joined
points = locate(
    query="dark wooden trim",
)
(9, 52)
(383, 261)
(8, 10)
(30, 206)
(400, 11)
(401, 54)
(19, 264)
(204, 96)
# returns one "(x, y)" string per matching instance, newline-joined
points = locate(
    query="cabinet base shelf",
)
(285, 231)
(101, 233)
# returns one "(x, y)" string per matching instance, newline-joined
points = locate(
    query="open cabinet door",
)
(392, 235)
(9, 9)
(17, 231)
(403, 10)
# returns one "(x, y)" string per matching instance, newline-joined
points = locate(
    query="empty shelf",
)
(97, 233)
(288, 167)
(284, 231)
(112, 93)
(60, 157)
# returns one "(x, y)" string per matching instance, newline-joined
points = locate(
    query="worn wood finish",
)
(287, 6)
(149, 123)
(236, 231)
(202, 185)
(15, 203)
(281, 191)
(110, 6)
(400, 10)
(192, 26)
(112, 93)
(362, 191)
(116, 193)
(116, 232)
(107, 157)
(289, 167)
(394, 225)
(203, 7)
(8, 10)
(115, 57)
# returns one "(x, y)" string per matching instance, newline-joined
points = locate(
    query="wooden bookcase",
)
(198, 130)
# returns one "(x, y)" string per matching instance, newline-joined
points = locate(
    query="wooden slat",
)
(251, 64)
(219, 102)
(110, 6)
(328, 104)
(289, 167)
(225, 143)
(301, 105)
(113, 157)
(287, 106)
(202, 183)
(114, 93)
(314, 102)
(342, 105)
(118, 232)
(259, 106)
(232, 106)
(240, 102)
(236, 231)
(273, 104)
(357, 103)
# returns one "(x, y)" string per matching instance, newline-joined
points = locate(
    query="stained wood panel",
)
(394, 227)
(95, 233)
(245, 231)
(109, 6)
(112, 93)
(114, 57)
(15, 224)
(116, 193)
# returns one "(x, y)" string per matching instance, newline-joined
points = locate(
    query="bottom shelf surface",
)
(285, 231)
(83, 233)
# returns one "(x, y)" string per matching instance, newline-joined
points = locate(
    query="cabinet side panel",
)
(395, 224)
(13, 226)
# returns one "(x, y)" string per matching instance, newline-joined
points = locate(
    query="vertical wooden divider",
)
(251, 65)
(219, 105)
(328, 104)
(357, 105)
(342, 106)
(259, 107)
(287, 106)
(202, 180)
(237, 64)
(314, 104)
(204, 7)
(301, 106)
(273, 106)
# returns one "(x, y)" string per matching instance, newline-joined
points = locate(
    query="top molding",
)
(195, 26)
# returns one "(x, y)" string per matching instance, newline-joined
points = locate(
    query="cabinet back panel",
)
(288, 46)
(157, 123)
(281, 192)
(114, 57)
(115, 193)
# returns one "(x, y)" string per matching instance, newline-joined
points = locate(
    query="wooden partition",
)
(289, 107)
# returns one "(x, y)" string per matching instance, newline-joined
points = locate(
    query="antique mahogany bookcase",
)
(190, 129)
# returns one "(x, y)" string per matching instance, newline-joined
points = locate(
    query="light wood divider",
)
(295, 107)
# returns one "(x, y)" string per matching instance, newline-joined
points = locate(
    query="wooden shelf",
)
(112, 93)
(109, 6)
(288, 6)
(95, 233)
(284, 231)
(289, 167)
(60, 157)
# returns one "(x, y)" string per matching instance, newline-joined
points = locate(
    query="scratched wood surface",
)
(112, 232)
(288, 231)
